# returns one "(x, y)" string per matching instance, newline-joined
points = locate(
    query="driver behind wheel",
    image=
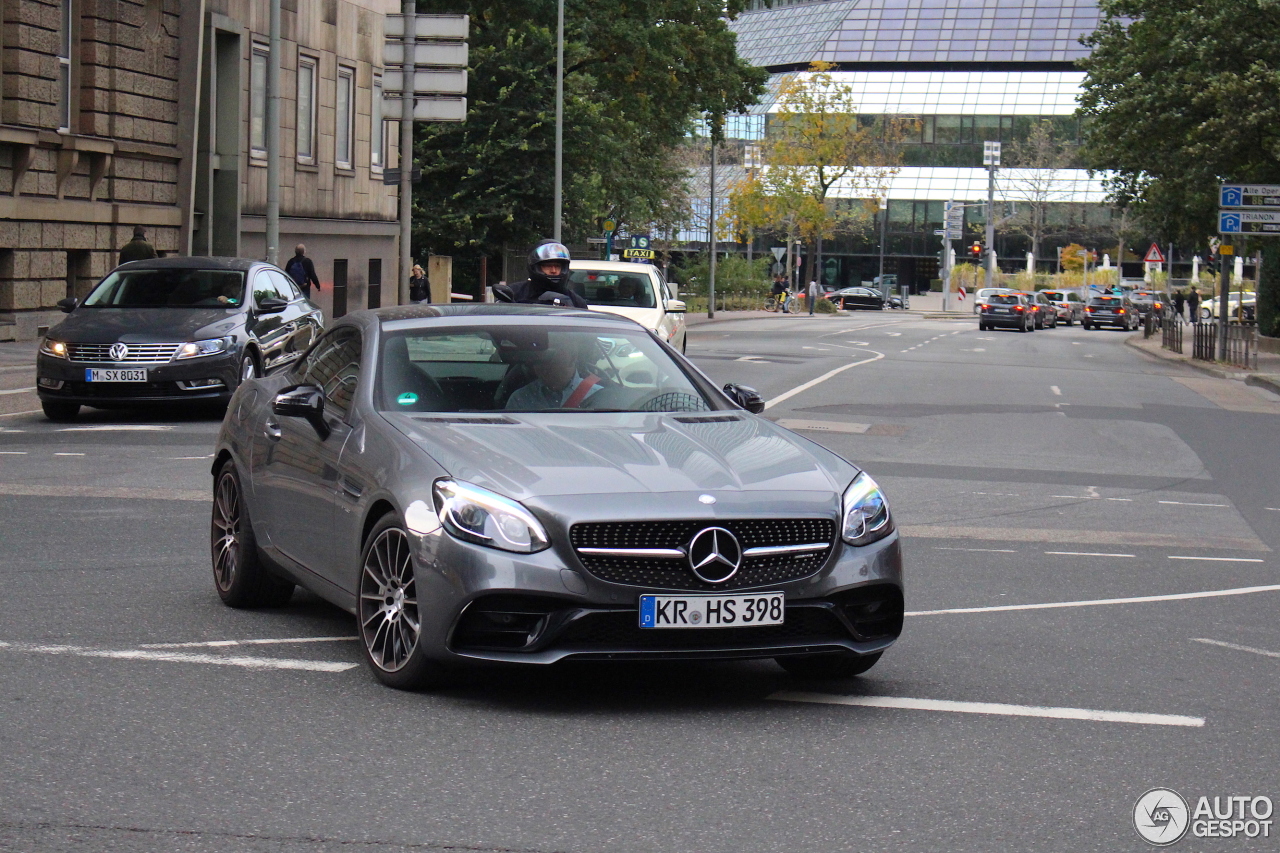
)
(557, 383)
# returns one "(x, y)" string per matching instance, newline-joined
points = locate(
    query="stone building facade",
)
(119, 113)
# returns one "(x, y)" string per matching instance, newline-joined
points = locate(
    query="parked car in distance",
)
(853, 298)
(638, 292)
(1070, 305)
(1239, 306)
(1116, 311)
(1148, 302)
(173, 330)
(1045, 313)
(1008, 310)
(418, 469)
(982, 294)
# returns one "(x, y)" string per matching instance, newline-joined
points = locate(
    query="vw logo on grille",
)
(714, 554)
(118, 352)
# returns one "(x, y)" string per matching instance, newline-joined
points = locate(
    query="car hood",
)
(647, 317)
(545, 455)
(144, 325)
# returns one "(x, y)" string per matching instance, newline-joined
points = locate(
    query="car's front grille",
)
(135, 353)
(674, 572)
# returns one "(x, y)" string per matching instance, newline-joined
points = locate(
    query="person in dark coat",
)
(548, 281)
(137, 249)
(302, 271)
(1179, 302)
(1193, 305)
(419, 289)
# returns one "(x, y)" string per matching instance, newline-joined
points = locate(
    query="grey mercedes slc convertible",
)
(512, 483)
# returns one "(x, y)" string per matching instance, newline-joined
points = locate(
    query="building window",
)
(343, 117)
(377, 129)
(258, 101)
(306, 109)
(64, 67)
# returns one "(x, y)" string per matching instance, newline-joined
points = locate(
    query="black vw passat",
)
(173, 330)
(512, 483)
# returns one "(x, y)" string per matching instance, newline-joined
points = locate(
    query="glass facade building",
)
(961, 72)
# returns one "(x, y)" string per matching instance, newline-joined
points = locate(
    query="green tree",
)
(817, 143)
(637, 75)
(1180, 95)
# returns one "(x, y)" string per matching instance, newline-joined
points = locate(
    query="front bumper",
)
(487, 605)
(65, 381)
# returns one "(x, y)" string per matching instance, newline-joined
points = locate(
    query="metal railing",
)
(1242, 344)
(1171, 333)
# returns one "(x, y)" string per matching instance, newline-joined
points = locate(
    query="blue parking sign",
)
(1228, 223)
(1231, 196)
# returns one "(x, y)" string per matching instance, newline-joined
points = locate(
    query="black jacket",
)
(308, 272)
(528, 292)
(137, 249)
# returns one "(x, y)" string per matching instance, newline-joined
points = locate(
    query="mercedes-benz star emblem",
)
(714, 554)
(118, 352)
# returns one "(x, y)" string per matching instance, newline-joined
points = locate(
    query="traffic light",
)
(975, 251)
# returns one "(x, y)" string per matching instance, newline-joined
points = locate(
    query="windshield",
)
(531, 369)
(169, 288)
(1055, 296)
(615, 289)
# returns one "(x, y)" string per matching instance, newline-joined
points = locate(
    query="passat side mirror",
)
(272, 305)
(675, 306)
(747, 398)
(303, 401)
(68, 305)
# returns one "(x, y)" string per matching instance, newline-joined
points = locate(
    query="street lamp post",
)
(884, 217)
(559, 193)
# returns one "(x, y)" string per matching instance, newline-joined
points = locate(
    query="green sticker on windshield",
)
(408, 398)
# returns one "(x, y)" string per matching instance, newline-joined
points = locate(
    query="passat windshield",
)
(531, 369)
(169, 288)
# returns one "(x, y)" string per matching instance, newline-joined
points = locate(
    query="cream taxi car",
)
(638, 292)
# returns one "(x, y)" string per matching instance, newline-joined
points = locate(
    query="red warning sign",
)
(1154, 255)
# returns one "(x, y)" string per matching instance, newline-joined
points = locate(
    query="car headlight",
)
(57, 349)
(866, 512)
(478, 515)
(199, 349)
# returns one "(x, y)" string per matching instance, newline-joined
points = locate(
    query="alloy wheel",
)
(227, 538)
(389, 620)
(248, 369)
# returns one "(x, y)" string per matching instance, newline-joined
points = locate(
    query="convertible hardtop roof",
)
(486, 312)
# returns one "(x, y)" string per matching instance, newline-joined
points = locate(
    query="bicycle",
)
(774, 301)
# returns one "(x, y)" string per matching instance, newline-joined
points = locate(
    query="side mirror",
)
(675, 306)
(303, 401)
(272, 305)
(747, 398)
(503, 293)
(68, 305)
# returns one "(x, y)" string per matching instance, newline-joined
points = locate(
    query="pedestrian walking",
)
(302, 271)
(419, 289)
(1179, 302)
(813, 295)
(1193, 305)
(137, 249)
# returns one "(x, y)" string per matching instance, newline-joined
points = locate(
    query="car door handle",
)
(352, 489)
(272, 430)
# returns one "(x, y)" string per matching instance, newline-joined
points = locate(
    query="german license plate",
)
(999, 310)
(133, 374)
(712, 611)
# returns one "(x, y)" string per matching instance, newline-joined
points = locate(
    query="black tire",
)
(239, 573)
(60, 412)
(1070, 321)
(982, 327)
(1085, 325)
(1027, 327)
(390, 620)
(829, 665)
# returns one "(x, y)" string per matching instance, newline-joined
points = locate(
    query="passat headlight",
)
(866, 512)
(478, 515)
(198, 349)
(57, 349)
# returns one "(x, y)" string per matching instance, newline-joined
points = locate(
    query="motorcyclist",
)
(548, 281)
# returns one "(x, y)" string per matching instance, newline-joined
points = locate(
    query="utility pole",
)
(408, 8)
(991, 159)
(273, 136)
(711, 230)
(884, 217)
(559, 205)
(1224, 301)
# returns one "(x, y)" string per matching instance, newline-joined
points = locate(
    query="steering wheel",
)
(663, 400)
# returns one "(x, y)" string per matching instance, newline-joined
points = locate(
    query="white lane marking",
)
(206, 456)
(894, 334)
(1222, 559)
(1143, 599)
(1086, 554)
(787, 395)
(985, 339)
(1273, 508)
(15, 414)
(13, 453)
(119, 428)
(995, 708)
(1075, 343)
(1262, 652)
(270, 641)
(1077, 497)
(183, 657)
(1126, 500)
(1088, 356)
(982, 550)
(68, 454)
(1057, 392)
(1182, 503)
(859, 343)
(753, 359)
(19, 391)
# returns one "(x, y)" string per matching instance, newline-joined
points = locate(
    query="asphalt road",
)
(1086, 532)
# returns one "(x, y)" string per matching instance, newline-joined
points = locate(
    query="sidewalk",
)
(928, 305)
(1266, 376)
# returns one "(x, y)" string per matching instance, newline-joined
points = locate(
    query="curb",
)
(1135, 341)
(1264, 380)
